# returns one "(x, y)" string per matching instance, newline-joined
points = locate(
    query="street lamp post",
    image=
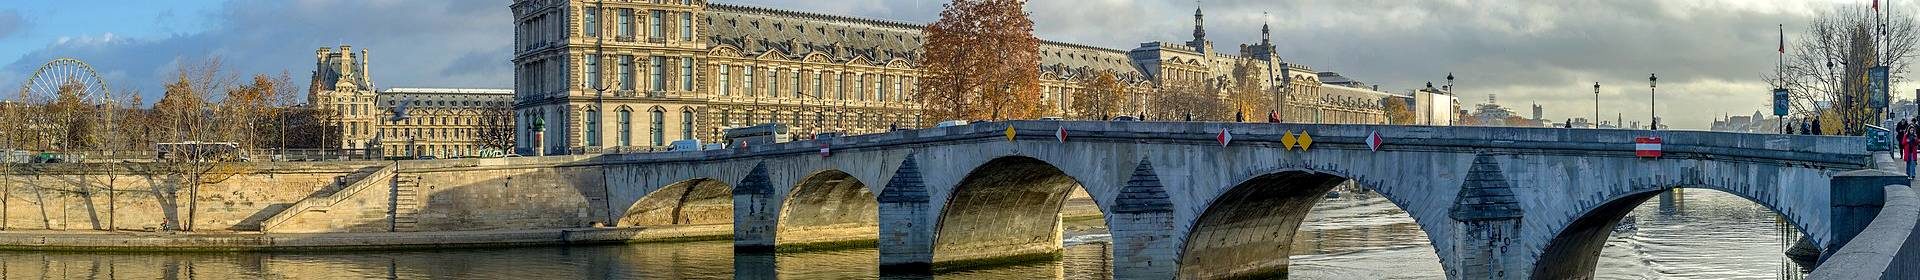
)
(1456, 98)
(1653, 85)
(1596, 102)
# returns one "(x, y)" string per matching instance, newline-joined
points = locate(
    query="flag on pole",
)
(1876, 6)
(1783, 39)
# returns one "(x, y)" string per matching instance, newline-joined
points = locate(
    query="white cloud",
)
(1710, 52)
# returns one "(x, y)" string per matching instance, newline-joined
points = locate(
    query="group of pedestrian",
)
(1802, 127)
(1907, 135)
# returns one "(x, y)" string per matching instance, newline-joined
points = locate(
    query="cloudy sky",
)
(1709, 53)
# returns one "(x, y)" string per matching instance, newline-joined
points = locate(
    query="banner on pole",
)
(1780, 106)
(1877, 87)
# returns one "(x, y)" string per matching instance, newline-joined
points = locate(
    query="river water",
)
(1709, 235)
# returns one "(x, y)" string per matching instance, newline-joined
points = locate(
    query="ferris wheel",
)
(65, 75)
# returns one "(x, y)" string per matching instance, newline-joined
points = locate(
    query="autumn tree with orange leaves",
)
(981, 63)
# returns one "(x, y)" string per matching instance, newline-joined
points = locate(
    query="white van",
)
(685, 145)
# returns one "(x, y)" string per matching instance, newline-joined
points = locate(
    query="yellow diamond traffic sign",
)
(1305, 141)
(1009, 133)
(1287, 140)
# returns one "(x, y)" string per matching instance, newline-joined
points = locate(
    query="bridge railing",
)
(1848, 152)
(1886, 249)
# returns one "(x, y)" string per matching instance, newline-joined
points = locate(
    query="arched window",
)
(593, 128)
(626, 127)
(686, 124)
(659, 127)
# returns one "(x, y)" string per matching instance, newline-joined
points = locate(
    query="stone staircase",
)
(406, 202)
(324, 200)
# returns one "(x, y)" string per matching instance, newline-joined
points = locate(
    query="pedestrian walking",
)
(1900, 131)
(1907, 152)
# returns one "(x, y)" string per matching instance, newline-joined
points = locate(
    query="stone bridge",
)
(1504, 203)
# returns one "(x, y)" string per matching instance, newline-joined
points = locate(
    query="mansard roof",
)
(1068, 60)
(756, 31)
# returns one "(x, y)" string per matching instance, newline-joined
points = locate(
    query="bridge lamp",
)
(1596, 102)
(1653, 103)
(1450, 111)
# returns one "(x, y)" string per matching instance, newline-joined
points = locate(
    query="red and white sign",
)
(1646, 147)
(1374, 141)
(1061, 134)
(1226, 136)
(825, 151)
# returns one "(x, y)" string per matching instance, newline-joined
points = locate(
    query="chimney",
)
(366, 75)
(346, 61)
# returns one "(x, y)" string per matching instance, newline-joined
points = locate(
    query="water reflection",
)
(1705, 235)
(1700, 234)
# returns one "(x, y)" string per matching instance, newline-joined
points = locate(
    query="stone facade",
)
(438, 122)
(343, 90)
(638, 75)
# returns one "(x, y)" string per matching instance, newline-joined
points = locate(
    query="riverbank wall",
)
(315, 205)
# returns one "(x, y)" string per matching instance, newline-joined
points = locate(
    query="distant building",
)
(362, 121)
(1432, 106)
(1756, 123)
(693, 68)
(1539, 114)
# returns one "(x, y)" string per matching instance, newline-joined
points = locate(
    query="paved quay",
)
(127, 241)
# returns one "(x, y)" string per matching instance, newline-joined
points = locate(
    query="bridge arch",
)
(828, 208)
(1246, 231)
(697, 201)
(1007, 209)
(1574, 250)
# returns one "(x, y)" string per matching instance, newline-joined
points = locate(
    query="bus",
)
(198, 151)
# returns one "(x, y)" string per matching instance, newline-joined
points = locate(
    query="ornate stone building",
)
(363, 123)
(442, 122)
(342, 88)
(595, 76)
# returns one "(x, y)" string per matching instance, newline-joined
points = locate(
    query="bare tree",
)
(1825, 72)
(496, 126)
(187, 115)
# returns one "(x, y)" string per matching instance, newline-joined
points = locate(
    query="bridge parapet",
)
(1826, 150)
(1886, 248)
